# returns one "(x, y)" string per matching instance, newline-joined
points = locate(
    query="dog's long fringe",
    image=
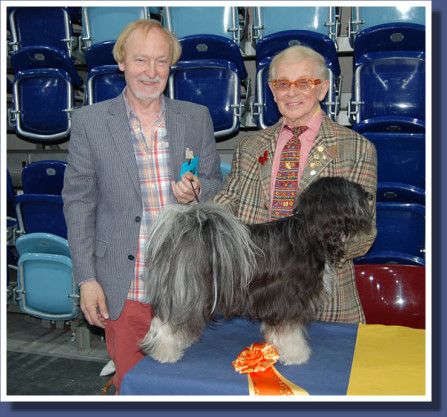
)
(196, 243)
(201, 259)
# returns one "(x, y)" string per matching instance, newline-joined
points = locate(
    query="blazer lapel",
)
(265, 155)
(118, 125)
(176, 133)
(323, 151)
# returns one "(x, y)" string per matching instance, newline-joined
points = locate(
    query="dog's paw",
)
(295, 357)
(163, 355)
(161, 344)
(290, 342)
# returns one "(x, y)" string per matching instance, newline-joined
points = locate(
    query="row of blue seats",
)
(392, 54)
(38, 208)
(102, 24)
(387, 94)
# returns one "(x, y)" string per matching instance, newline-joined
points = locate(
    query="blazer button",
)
(131, 257)
(138, 219)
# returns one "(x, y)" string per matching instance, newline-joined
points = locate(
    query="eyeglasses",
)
(304, 84)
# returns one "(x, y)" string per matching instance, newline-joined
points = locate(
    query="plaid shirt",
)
(154, 167)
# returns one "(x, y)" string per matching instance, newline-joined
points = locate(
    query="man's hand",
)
(183, 191)
(93, 303)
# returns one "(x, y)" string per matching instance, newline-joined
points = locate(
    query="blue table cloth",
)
(206, 368)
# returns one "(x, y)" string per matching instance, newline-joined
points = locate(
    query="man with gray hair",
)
(272, 167)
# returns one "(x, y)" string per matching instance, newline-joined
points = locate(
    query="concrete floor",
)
(43, 360)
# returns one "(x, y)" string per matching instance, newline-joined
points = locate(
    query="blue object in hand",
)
(189, 166)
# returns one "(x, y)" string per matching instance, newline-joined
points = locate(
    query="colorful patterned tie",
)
(286, 184)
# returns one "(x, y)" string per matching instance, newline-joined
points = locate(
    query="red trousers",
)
(124, 335)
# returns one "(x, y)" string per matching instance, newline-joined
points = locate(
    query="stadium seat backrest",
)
(186, 21)
(214, 84)
(392, 294)
(102, 24)
(390, 84)
(400, 157)
(41, 213)
(273, 19)
(400, 235)
(49, 26)
(104, 82)
(43, 100)
(366, 17)
(44, 177)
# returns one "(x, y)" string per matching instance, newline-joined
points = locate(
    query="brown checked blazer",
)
(337, 151)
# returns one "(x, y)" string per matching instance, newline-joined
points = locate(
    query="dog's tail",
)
(199, 256)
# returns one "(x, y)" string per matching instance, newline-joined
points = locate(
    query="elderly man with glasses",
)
(272, 167)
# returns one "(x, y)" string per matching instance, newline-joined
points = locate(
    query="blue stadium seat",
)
(219, 21)
(43, 177)
(101, 27)
(265, 109)
(100, 54)
(30, 26)
(43, 57)
(104, 82)
(42, 243)
(400, 235)
(211, 72)
(401, 166)
(397, 192)
(42, 102)
(40, 213)
(45, 285)
(212, 47)
(42, 37)
(270, 20)
(389, 38)
(365, 17)
(389, 84)
(214, 84)
(391, 124)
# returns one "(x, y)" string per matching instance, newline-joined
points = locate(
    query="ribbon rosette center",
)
(256, 358)
(257, 361)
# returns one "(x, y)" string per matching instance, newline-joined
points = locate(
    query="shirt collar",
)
(131, 113)
(313, 124)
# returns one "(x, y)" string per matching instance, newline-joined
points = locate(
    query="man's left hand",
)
(183, 190)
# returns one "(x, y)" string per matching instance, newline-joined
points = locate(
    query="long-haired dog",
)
(205, 264)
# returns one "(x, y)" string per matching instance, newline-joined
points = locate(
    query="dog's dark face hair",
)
(333, 209)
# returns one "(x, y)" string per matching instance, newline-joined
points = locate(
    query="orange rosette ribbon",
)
(257, 361)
